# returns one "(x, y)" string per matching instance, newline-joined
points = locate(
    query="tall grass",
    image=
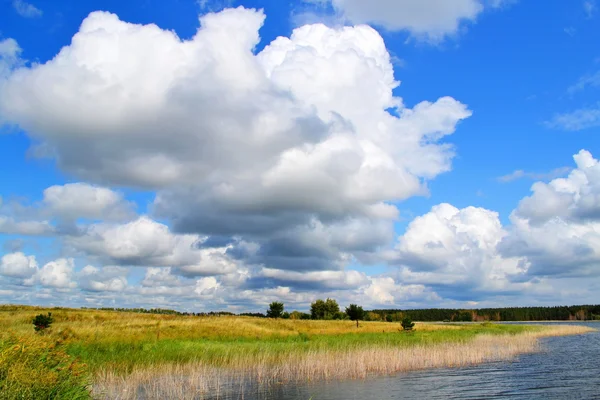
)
(37, 367)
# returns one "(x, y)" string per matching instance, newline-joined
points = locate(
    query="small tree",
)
(407, 324)
(388, 318)
(355, 313)
(42, 322)
(275, 310)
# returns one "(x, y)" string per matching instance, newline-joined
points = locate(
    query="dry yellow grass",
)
(125, 326)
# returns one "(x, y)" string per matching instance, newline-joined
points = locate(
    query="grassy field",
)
(114, 354)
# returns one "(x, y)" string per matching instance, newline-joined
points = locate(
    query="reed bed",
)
(199, 380)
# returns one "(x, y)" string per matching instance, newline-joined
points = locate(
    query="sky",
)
(220, 155)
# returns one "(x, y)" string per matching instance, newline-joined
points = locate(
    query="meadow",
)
(109, 354)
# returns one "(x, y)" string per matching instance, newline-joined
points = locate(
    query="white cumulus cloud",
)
(57, 274)
(81, 200)
(144, 242)
(18, 265)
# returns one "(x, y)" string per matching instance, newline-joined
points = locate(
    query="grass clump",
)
(38, 367)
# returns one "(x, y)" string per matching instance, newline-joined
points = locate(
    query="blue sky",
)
(192, 171)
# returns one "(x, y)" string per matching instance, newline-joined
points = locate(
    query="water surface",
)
(567, 368)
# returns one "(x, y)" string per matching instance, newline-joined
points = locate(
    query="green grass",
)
(124, 356)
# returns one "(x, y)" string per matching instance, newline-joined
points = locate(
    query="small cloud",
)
(480, 193)
(10, 56)
(589, 80)
(447, 20)
(213, 5)
(26, 10)
(589, 7)
(543, 176)
(501, 3)
(569, 30)
(583, 118)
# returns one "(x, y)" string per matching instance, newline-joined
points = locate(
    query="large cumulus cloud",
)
(290, 158)
(455, 252)
(551, 243)
(556, 230)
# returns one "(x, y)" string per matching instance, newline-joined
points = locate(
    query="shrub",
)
(388, 318)
(407, 324)
(42, 322)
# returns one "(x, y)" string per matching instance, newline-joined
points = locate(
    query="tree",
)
(355, 313)
(407, 324)
(275, 310)
(388, 318)
(372, 316)
(299, 315)
(42, 322)
(328, 309)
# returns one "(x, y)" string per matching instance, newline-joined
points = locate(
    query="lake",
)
(567, 368)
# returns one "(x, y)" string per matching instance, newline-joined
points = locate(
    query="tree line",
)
(557, 313)
(329, 309)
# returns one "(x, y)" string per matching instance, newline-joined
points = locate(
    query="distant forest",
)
(558, 313)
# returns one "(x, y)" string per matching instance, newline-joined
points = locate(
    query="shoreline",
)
(197, 380)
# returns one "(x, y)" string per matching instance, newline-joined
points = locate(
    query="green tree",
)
(355, 313)
(299, 315)
(42, 322)
(328, 309)
(388, 318)
(407, 324)
(275, 310)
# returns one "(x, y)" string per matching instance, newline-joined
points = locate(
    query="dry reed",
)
(197, 380)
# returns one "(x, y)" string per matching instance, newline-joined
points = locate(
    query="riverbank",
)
(181, 357)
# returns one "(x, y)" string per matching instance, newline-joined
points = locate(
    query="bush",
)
(407, 324)
(37, 367)
(42, 322)
(388, 318)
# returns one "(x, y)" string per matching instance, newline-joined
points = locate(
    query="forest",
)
(555, 313)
